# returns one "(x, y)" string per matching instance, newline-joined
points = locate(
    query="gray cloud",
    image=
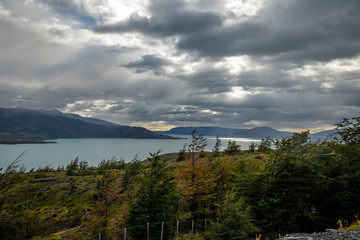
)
(148, 62)
(185, 63)
(169, 18)
(294, 31)
(68, 9)
(210, 79)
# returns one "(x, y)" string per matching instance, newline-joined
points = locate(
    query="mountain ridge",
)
(256, 132)
(21, 125)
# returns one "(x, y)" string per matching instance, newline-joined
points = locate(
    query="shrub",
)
(111, 163)
(232, 148)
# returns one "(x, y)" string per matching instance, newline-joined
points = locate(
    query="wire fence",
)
(162, 230)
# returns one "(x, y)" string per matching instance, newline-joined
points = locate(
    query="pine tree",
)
(235, 221)
(232, 148)
(155, 201)
(252, 147)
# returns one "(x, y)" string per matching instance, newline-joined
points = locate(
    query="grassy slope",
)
(62, 204)
(50, 198)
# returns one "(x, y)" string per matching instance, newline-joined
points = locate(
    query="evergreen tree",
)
(252, 147)
(265, 144)
(155, 201)
(235, 221)
(182, 154)
(349, 130)
(217, 146)
(232, 148)
(305, 186)
(132, 169)
(73, 167)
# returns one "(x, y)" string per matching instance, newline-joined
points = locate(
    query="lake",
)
(93, 150)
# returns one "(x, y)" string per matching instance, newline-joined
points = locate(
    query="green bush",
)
(190, 236)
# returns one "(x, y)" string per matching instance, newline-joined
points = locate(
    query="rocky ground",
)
(330, 234)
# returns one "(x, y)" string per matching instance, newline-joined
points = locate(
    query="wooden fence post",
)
(205, 227)
(162, 230)
(177, 228)
(192, 227)
(148, 231)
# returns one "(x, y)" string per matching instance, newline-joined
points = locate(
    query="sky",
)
(288, 64)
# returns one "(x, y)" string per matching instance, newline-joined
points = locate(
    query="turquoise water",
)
(93, 150)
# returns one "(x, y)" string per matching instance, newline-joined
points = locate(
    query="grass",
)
(53, 198)
(353, 226)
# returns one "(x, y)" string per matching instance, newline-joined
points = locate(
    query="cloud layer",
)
(165, 63)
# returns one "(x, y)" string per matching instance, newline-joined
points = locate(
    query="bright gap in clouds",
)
(237, 93)
(155, 125)
(119, 10)
(238, 64)
(86, 108)
(243, 7)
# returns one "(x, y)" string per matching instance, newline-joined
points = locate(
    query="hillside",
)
(302, 186)
(257, 132)
(25, 125)
(84, 202)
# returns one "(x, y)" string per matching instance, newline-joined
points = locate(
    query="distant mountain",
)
(328, 134)
(57, 113)
(19, 125)
(92, 120)
(257, 132)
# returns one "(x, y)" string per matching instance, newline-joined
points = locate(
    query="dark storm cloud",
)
(348, 92)
(301, 110)
(268, 78)
(65, 4)
(352, 99)
(169, 21)
(148, 62)
(152, 110)
(293, 30)
(257, 39)
(298, 30)
(210, 79)
(164, 7)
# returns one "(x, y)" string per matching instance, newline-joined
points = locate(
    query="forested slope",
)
(274, 188)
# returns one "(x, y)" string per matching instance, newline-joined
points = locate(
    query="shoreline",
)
(15, 142)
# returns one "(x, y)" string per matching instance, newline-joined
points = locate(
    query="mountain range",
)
(257, 132)
(19, 125)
